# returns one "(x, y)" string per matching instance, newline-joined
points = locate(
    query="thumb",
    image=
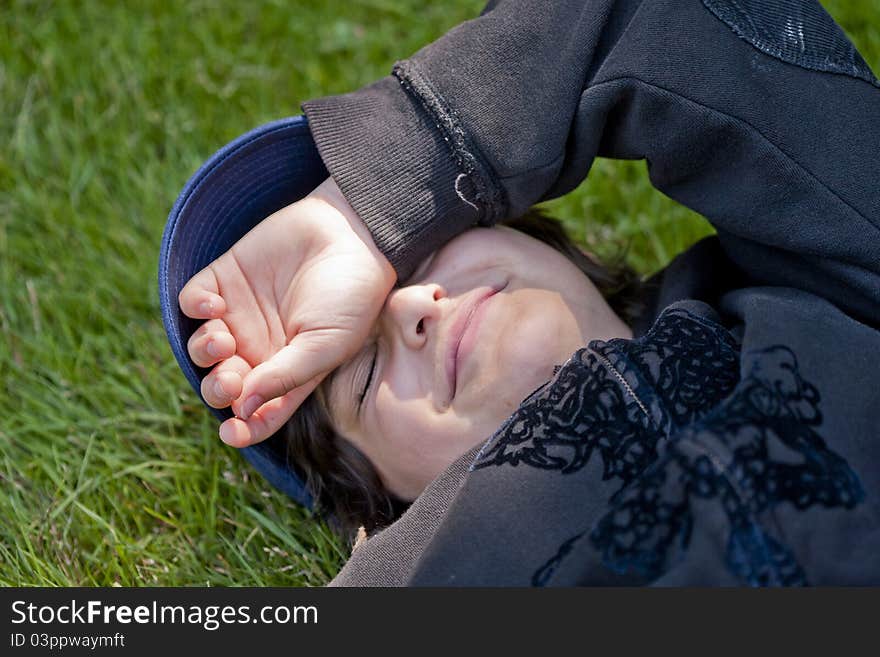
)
(309, 355)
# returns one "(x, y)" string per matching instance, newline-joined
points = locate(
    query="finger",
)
(310, 354)
(223, 384)
(211, 343)
(200, 297)
(267, 419)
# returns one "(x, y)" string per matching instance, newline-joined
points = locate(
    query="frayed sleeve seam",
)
(477, 184)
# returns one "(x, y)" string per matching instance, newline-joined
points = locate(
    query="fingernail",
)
(227, 433)
(212, 349)
(206, 307)
(219, 391)
(251, 404)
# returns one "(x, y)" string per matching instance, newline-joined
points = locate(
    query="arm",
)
(512, 108)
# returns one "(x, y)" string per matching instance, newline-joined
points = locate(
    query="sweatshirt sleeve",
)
(423, 154)
(761, 116)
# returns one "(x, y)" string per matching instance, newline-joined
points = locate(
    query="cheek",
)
(394, 412)
(415, 443)
(540, 332)
(410, 430)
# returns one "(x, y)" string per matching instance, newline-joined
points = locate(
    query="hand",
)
(287, 304)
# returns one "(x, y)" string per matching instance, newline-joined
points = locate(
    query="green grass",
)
(111, 469)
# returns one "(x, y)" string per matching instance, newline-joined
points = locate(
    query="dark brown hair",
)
(342, 481)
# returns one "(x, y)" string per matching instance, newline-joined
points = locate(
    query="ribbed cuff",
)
(395, 168)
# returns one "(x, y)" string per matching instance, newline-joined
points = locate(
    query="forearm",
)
(445, 142)
(513, 107)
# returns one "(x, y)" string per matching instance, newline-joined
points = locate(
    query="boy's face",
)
(458, 346)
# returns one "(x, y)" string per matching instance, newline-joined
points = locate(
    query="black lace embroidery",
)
(597, 400)
(746, 444)
(545, 572)
(755, 450)
(583, 410)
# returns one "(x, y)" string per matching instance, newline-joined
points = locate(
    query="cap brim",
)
(244, 182)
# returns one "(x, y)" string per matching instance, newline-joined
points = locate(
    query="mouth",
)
(462, 333)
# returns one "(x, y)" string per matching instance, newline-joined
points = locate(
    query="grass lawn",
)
(111, 469)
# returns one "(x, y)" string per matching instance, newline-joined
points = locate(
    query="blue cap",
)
(244, 182)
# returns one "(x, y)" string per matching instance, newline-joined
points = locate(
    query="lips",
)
(465, 314)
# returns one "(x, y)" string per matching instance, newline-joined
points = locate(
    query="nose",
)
(414, 311)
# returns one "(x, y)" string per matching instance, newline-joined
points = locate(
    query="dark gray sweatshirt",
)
(736, 438)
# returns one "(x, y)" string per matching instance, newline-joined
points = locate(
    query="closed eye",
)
(369, 377)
